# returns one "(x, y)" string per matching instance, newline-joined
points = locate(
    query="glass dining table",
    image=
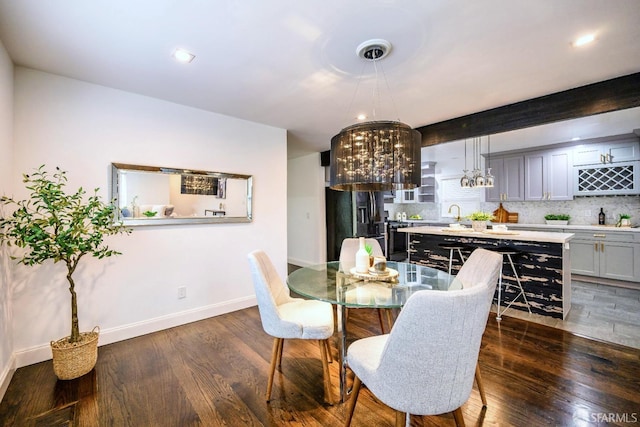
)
(348, 289)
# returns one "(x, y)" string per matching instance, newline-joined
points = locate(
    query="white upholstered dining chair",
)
(284, 317)
(348, 250)
(427, 363)
(479, 264)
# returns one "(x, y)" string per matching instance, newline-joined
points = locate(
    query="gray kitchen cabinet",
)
(607, 152)
(588, 155)
(585, 258)
(605, 254)
(621, 178)
(509, 179)
(598, 167)
(548, 175)
(620, 260)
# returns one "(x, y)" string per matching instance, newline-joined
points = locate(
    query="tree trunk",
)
(75, 330)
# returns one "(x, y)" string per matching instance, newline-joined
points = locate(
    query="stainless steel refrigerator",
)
(353, 214)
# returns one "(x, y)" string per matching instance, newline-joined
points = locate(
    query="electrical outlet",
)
(182, 292)
(587, 212)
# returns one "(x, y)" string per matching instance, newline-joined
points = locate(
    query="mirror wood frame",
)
(117, 168)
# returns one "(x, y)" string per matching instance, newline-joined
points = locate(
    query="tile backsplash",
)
(583, 210)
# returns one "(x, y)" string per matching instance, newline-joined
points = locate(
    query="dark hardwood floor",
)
(214, 372)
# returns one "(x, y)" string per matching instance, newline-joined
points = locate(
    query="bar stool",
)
(453, 247)
(509, 252)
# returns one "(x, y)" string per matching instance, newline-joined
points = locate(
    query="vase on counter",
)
(479, 226)
(362, 258)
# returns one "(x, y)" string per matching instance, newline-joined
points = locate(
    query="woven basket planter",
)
(72, 361)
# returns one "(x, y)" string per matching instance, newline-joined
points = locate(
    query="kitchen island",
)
(543, 262)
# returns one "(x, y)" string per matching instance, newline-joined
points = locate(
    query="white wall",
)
(6, 137)
(82, 128)
(307, 229)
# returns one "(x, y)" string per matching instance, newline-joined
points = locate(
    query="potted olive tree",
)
(64, 227)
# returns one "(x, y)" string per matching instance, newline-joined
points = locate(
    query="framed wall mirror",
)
(150, 195)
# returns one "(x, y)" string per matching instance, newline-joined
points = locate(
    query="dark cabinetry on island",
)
(543, 265)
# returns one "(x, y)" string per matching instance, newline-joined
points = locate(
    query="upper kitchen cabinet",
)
(607, 180)
(508, 172)
(427, 190)
(405, 196)
(389, 196)
(556, 173)
(609, 167)
(422, 194)
(548, 175)
(620, 148)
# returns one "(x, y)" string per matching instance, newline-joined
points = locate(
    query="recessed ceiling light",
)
(182, 55)
(575, 138)
(586, 39)
(361, 116)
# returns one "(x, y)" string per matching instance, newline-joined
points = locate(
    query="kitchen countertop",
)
(551, 228)
(520, 235)
(594, 227)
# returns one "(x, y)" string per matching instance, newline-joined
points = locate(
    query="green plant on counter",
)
(623, 218)
(557, 217)
(149, 214)
(480, 216)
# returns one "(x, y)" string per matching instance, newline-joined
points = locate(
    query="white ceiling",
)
(292, 63)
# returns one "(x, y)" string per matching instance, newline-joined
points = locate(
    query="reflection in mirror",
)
(148, 195)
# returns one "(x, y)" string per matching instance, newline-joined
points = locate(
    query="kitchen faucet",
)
(458, 216)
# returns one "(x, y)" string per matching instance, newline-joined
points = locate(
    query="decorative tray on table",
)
(387, 276)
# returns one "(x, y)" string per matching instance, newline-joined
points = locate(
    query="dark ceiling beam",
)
(602, 97)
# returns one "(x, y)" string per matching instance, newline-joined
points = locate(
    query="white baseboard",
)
(7, 374)
(41, 353)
